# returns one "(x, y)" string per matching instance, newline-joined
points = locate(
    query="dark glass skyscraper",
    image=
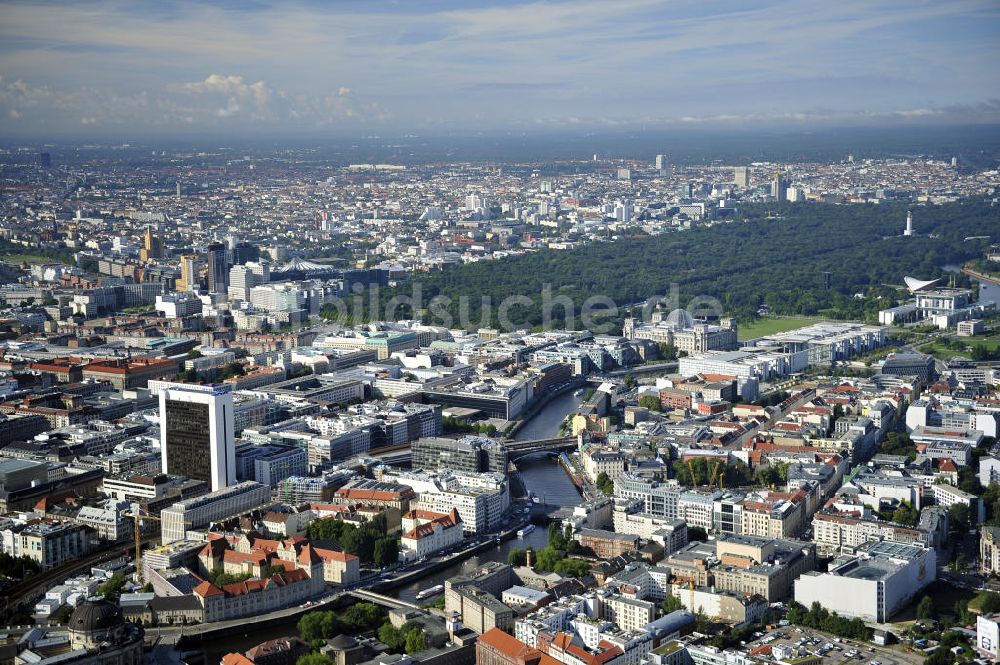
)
(218, 268)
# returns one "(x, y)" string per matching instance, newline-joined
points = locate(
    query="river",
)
(546, 422)
(539, 474)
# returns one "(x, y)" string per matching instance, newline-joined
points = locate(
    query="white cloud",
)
(228, 85)
(584, 61)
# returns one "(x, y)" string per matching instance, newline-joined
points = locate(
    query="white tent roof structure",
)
(915, 285)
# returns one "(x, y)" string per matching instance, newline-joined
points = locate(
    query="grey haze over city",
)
(257, 69)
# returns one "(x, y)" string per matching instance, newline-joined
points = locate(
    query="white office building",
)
(197, 433)
(201, 511)
(873, 585)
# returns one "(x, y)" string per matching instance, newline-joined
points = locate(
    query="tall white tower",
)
(909, 224)
(196, 433)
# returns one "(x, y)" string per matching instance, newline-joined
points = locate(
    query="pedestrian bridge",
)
(385, 601)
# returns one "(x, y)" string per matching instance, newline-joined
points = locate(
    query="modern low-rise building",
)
(472, 454)
(203, 510)
(874, 584)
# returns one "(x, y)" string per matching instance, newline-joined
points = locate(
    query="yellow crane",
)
(694, 478)
(137, 518)
(716, 475)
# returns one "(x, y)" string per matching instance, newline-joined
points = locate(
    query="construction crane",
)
(694, 478)
(137, 518)
(716, 475)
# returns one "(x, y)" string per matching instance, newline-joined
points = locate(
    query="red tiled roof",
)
(947, 465)
(255, 558)
(334, 555)
(368, 495)
(514, 649)
(207, 589)
(253, 586)
(122, 366)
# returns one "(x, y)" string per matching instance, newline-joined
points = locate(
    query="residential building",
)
(606, 544)
(989, 550)
(425, 533)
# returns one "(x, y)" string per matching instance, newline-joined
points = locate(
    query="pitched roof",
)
(206, 589)
(947, 465)
(333, 555)
(513, 648)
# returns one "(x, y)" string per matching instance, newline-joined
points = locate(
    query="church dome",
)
(95, 614)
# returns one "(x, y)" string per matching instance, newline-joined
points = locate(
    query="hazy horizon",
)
(264, 70)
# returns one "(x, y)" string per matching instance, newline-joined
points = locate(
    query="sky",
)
(260, 68)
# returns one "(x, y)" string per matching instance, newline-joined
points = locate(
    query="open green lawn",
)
(769, 325)
(27, 258)
(944, 350)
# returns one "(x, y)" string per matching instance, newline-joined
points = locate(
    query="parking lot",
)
(834, 650)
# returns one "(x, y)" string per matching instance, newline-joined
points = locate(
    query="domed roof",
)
(680, 318)
(95, 614)
(343, 642)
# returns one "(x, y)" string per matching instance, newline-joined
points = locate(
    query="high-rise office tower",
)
(244, 252)
(44, 160)
(661, 162)
(741, 176)
(189, 272)
(152, 246)
(242, 278)
(178, 189)
(623, 211)
(196, 433)
(218, 270)
(778, 187)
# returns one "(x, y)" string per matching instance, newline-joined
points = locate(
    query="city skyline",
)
(178, 69)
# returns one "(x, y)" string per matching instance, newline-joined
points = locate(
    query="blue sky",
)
(259, 68)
